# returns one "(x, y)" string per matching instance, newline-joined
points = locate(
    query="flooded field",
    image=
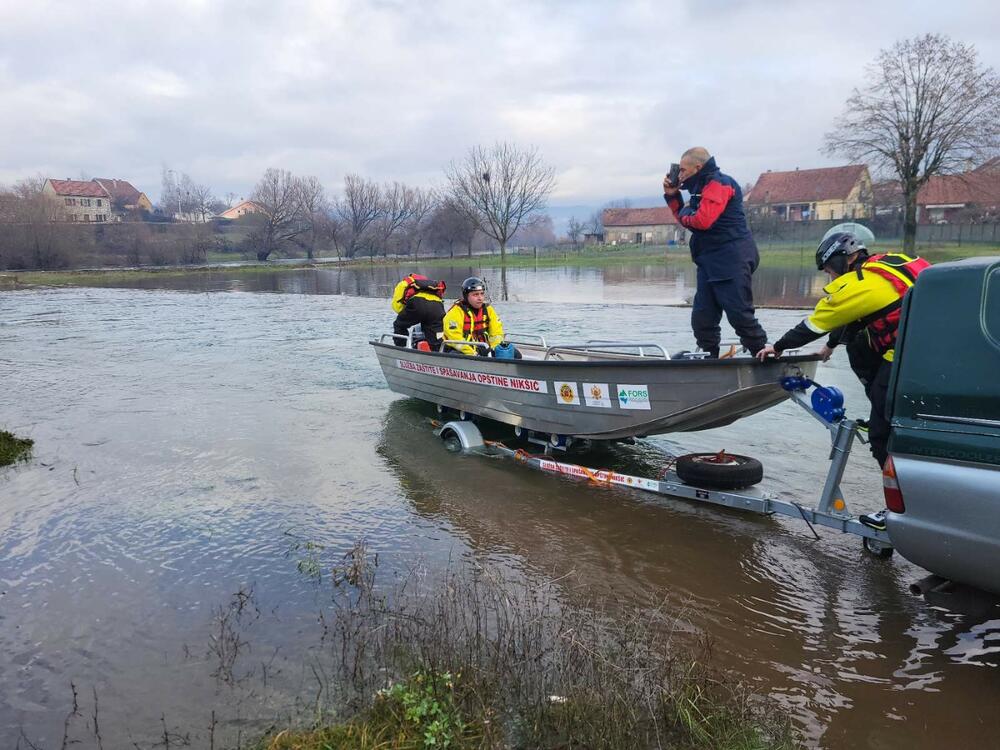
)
(197, 453)
(630, 283)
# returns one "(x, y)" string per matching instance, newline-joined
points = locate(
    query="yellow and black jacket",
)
(861, 307)
(415, 285)
(463, 323)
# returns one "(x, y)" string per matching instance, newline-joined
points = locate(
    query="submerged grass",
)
(13, 448)
(474, 660)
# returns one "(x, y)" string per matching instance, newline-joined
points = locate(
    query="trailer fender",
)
(466, 433)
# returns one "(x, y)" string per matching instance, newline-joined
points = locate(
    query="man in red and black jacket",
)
(721, 247)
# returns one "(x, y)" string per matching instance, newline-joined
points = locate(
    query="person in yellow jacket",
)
(417, 299)
(473, 319)
(861, 310)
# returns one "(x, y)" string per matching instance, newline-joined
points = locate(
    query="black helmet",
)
(836, 249)
(472, 284)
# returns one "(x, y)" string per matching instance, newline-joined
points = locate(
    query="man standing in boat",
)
(472, 318)
(722, 248)
(417, 299)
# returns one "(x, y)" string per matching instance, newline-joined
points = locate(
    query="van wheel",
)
(723, 471)
(881, 550)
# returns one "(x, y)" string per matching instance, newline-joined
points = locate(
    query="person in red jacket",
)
(721, 247)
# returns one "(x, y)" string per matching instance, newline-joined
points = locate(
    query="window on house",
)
(69, 201)
(99, 204)
(86, 217)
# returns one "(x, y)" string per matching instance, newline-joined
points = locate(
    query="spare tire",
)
(722, 471)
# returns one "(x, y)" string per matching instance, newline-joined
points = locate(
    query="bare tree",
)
(278, 194)
(574, 229)
(396, 212)
(312, 210)
(928, 109)
(500, 188)
(32, 235)
(595, 224)
(449, 226)
(201, 200)
(423, 205)
(539, 231)
(359, 208)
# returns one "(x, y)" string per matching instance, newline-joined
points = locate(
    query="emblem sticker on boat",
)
(632, 396)
(566, 393)
(480, 378)
(597, 394)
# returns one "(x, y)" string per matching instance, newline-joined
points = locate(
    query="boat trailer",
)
(826, 404)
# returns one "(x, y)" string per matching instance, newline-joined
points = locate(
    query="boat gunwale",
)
(643, 362)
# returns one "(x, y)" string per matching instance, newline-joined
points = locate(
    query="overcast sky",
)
(611, 92)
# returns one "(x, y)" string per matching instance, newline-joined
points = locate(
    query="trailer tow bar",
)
(826, 404)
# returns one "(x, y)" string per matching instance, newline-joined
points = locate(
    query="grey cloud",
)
(395, 90)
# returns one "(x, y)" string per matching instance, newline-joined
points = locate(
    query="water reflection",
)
(670, 283)
(837, 641)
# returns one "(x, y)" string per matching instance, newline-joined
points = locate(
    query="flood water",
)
(185, 441)
(649, 283)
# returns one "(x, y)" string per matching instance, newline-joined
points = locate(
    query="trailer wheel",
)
(877, 548)
(723, 471)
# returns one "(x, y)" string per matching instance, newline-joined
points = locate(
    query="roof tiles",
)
(806, 185)
(637, 217)
(84, 188)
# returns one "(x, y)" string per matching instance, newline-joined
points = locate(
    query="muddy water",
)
(187, 444)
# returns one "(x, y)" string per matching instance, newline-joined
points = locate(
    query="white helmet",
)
(862, 234)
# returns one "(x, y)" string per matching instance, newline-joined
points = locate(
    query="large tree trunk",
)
(910, 219)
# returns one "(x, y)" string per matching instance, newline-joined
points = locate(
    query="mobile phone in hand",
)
(675, 174)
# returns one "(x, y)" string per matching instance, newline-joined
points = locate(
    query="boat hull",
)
(598, 399)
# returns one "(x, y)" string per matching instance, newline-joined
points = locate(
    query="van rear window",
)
(990, 316)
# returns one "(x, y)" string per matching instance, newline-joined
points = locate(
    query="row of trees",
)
(182, 196)
(494, 192)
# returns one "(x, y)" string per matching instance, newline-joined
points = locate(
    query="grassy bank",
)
(475, 661)
(13, 448)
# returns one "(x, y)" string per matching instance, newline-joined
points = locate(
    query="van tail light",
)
(893, 497)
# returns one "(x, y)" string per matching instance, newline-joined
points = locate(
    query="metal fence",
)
(770, 232)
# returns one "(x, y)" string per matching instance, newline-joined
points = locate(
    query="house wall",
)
(857, 205)
(651, 234)
(82, 208)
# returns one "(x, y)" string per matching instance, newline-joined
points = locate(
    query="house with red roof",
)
(971, 195)
(806, 194)
(241, 209)
(100, 200)
(79, 200)
(125, 197)
(641, 226)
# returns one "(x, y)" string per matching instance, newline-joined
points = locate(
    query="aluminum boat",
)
(600, 390)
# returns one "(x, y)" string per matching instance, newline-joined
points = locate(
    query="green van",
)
(942, 481)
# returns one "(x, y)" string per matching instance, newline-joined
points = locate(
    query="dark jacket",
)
(721, 243)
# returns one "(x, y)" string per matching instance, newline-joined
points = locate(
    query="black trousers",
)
(734, 297)
(877, 390)
(428, 313)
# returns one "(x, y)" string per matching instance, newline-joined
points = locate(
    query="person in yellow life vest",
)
(417, 299)
(473, 319)
(861, 310)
